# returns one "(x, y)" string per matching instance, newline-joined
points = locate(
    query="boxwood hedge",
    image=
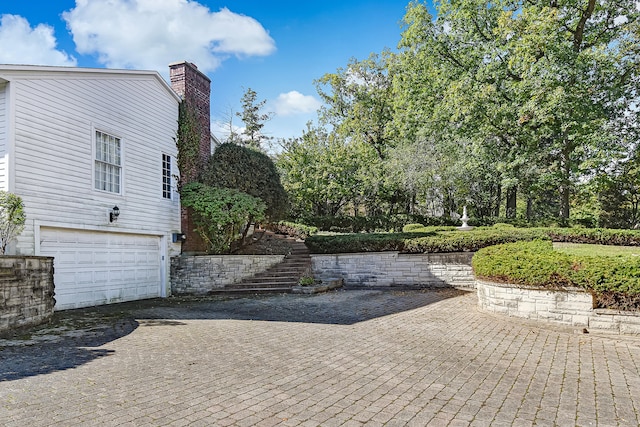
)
(614, 280)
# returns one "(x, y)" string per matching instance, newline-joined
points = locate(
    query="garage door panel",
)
(92, 268)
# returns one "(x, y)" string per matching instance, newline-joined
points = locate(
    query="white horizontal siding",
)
(3, 136)
(55, 119)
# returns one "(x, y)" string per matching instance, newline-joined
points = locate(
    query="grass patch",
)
(583, 249)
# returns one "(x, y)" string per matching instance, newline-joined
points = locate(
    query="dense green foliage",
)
(428, 239)
(537, 264)
(378, 223)
(292, 229)
(188, 144)
(221, 215)
(12, 218)
(518, 109)
(416, 239)
(250, 171)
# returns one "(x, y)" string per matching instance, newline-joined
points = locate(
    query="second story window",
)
(166, 176)
(108, 163)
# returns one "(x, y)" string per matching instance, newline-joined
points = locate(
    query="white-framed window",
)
(108, 163)
(166, 176)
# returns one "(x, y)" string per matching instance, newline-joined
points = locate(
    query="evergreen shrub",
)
(614, 280)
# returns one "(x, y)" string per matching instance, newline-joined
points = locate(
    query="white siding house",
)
(75, 143)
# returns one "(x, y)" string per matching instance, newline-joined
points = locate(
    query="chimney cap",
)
(175, 64)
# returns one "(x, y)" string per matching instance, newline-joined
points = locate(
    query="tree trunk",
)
(529, 208)
(496, 211)
(512, 194)
(565, 183)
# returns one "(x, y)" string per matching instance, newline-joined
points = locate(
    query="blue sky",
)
(277, 48)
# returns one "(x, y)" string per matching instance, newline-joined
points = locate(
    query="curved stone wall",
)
(572, 307)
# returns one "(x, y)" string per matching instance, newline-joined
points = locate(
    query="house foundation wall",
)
(26, 291)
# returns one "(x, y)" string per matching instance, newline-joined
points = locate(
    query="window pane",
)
(108, 162)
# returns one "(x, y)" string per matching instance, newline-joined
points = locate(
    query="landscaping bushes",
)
(428, 239)
(614, 280)
(381, 223)
(292, 229)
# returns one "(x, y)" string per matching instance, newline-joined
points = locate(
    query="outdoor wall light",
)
(114, 214)
(178, 238)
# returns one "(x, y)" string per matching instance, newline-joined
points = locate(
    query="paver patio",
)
(344, 358)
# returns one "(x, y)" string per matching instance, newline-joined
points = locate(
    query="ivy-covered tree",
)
(250, 171)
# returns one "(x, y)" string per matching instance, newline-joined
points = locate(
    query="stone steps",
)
(280, 278)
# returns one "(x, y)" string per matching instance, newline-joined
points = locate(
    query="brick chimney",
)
(195, 89)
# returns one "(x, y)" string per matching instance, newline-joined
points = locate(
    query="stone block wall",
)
(572, 307)
(26, 291)
(197, 275)
(387, 269)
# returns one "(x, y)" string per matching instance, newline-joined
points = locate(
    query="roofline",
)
(67, 69)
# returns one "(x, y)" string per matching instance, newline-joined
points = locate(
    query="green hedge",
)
(362, 242)
(417, 239)
(292, 229)
(382, 223)
(600, 236)
(538, 264)
(419, 242)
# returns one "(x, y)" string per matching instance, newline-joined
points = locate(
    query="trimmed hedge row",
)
(428, 239)
(615, 281)
(383, 223)
(417, 239)
(362, 242)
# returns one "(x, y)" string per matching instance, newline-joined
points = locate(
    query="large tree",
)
(548, 83)
(358, 101)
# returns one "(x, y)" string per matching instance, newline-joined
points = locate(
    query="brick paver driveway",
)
(344, 358)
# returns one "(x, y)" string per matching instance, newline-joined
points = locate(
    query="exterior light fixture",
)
(114, 214)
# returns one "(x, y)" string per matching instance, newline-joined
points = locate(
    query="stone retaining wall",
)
(197, 275)
(573, 307)
(26, 291)
(387, 269)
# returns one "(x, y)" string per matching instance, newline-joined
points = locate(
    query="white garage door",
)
(94, 268)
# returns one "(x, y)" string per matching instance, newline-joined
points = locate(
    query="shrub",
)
(537, 264)
(221, 215)
(411, 227)
(381, 223)
(469, 241)
(352, 243)
(602, 236)
(250, 171)
(293, 229)
(12, 218)
(426, 240)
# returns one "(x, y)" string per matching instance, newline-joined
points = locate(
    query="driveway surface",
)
(345, 358)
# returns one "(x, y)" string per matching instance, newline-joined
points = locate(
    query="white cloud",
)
(22, 44)
(150, 34)
(291, 103)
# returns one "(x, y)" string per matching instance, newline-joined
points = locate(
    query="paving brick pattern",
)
(346, 358)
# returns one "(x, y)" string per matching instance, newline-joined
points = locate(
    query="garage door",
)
(94, 268)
